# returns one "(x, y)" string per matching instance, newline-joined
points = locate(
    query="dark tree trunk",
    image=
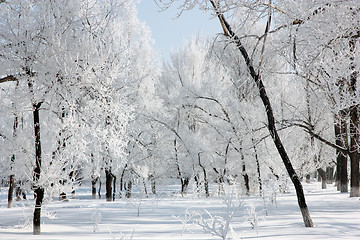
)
(258, 168)
(94, 179)
(99, 191)
(122, 180)
(244, 173)
(145, 188)
(11, 190)
(322, 174)
(342, 173)
(184, 180)
(206, 183)
(197, 182)
(270, 116)
(222, 173)
(184, 185)
(153, 187)
(93, 187)
(309, 114)
(354, 125)
(341, 159)
(108, 183)
(12, 176)
(246, 178)
(73, 177)
(128, 189)
(38, 190)
(114, 187)
(329, 175)
(39, 193)
(354, 153)
(153, 184)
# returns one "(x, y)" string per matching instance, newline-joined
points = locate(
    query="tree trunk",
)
(12, 176)
(145, 188)
(270, 116)
(354, 152)
(184, 180)
(39, 194)
(122, 180)
(184, 185)
(153, 184)
(99, 191)
(341, 139)
(282, 152)
(206, 183)
(108, 183)
(354, 124)
(197, 182)
(322, 174)
(329, 175)
(246, 178)
(93, 187)
(128, 189)
(11, 190)
(114, 187)
(39, 191)
(258, 168)
(244, 173)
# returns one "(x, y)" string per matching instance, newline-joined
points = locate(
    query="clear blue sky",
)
(170, 32)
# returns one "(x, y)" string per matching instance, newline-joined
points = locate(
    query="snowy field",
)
(170, 216)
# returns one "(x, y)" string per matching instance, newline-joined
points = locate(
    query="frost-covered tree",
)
(182, 85)
(207, 105)
(73, 62)
(252, 53)
(320, 35)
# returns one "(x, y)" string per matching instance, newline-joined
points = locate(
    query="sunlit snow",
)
(167, 216)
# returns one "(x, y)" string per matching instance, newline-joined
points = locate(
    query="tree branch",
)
(267, 28)
(9, 78)
(317, 136)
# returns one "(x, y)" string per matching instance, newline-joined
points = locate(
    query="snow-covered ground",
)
(170, 216)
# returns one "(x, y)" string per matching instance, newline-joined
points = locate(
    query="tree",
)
(256, 76)
(72, 62)
(317, 46)
(214, 104)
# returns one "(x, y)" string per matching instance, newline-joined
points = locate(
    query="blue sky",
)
(170, 32)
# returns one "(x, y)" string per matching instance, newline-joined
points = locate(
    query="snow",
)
(164, 216)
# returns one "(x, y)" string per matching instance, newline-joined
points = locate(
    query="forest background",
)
(85, 99)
